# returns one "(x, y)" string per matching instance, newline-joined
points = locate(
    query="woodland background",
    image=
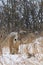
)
(16, 15)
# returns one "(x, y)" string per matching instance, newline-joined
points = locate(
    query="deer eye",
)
(15, 39)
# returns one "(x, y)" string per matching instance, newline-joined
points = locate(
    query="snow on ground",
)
(21, 59)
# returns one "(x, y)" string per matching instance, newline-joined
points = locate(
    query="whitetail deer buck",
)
(11, 43)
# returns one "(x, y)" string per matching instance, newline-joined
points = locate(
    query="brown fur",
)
(8, 42)
(22, 39)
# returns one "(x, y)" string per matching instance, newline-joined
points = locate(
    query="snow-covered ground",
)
(21, 59)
